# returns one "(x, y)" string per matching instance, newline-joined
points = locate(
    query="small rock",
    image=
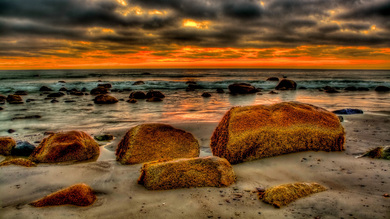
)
(58, 94)
(272, 79)
(138, 83)
(138, 95)
(220, 91)
(45, 88)
(273, 92)
(22, 148)
(154, 99)
(11, 131)
(21, 92)
(206, 94)
(386, 195)
(382, 89)
(14, 99)
(348, 111)
(132, 100)
(106, 137)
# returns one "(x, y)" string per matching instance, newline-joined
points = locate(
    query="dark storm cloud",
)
(232, 23)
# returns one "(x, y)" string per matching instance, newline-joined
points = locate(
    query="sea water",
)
(179, 106)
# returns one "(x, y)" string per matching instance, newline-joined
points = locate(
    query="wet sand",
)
(355, 186)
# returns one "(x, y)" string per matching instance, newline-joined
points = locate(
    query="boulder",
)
(154, 99)
(14, 99)
(206, 94)
(153, 93)
(108, 85)
(79, 195)
(106, 137)
(150, 142)
(132, 100)
(19, 162)
(58, 94)
(348, 111)
(22, 148)
(273, 79)
(137, 95)
(284, 194)
(66, 146)
(242, 88)
(382, 89)
(220, 91)
(21, 93)
(138, 83)
(286, 84)
(6, 145)
(45, 88)
(105, 99)
(253, 132)
(186, 173)
(99, 90)
(2, 97)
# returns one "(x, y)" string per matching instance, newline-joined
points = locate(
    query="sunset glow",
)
(203, 34)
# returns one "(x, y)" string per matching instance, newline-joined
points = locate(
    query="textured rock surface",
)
(186, 173)
(19, 162)
(150, 142)
(105, 99)
(252, 132)
(286, 84)
(79, 194)
(242, 88)
(6, 145)
(284, 194)
(66, 146)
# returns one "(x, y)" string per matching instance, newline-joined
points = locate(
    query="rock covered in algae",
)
(186, 173)
(6, 145)
(150, 142)
(79, 194)
(19, 162)
(252, 132)
(378, 153)
(66, 146)
(284, 194)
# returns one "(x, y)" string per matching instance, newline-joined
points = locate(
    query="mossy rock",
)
(6, 145)
(378, 153)
(253, 132)
(186, 173)
(79, 195)
(284, 194)
(66, 146)
(19, 162)
(150, 142)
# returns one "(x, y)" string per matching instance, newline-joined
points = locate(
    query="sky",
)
(82, 34)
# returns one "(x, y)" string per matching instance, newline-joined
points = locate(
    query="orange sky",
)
(194, 34)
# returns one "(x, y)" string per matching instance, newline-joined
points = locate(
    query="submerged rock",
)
(14, 99)
(105, 99)
(348, 111)
(22, 148)
(107, 85)
(138, 83)
(137, 95)
(19, 162)
(58, 94)
(99, 90)
(284, 194)
(65, 146)
(286, 84)
(186, 173)
(6, 145)
(382, 89)
(21, 93)
(154, 99)
(132, 100)
(106, 137)
(253, 132)
(150, 142)
(79, 195)
(45, 88)
(242, 88)
(155, 93)
(220, 91)
(206, 94)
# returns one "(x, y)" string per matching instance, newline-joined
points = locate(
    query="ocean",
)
(39, 115)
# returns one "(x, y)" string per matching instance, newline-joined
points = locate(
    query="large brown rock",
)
(65, 146)
(14, 99)
(150, 142)
(105, 99)
(6, 145)
(242, 88)
(252, 132)
(286, 84)
(155, 93)
(137, 95)
(79, 195)
(186, 173)
(99, 90)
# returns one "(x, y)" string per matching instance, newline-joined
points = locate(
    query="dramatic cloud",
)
(162, 28)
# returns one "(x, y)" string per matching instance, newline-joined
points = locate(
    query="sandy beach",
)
(355, 186)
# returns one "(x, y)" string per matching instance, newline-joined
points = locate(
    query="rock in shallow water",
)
(22, 148)
(252, 132)
(19, 162)
(79, 195)
(6, 145)
(242, 88)
(348, 111)
(186, 173)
